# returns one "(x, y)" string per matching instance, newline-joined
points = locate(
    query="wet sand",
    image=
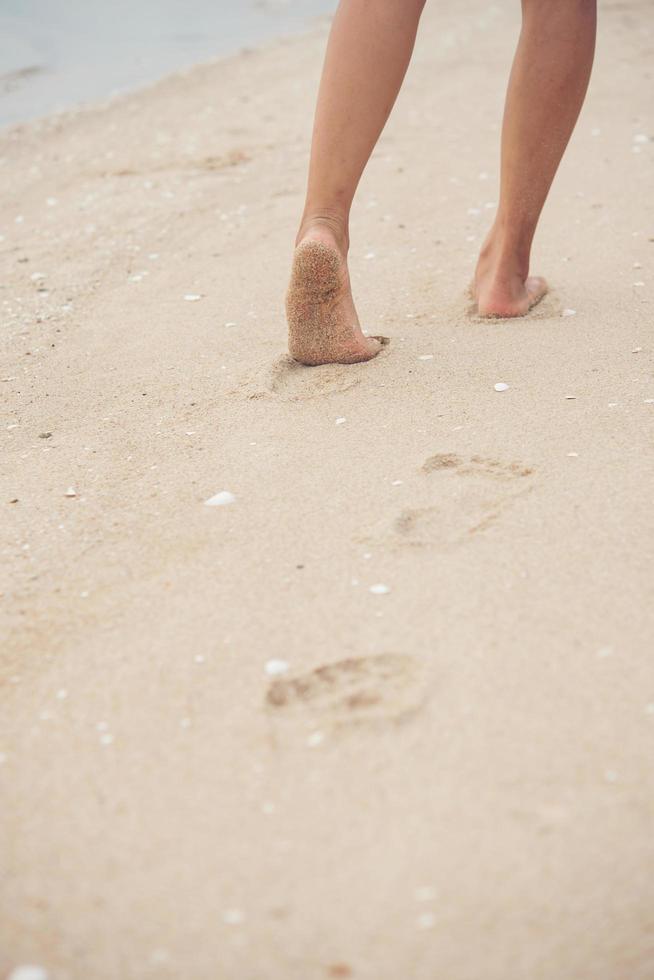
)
(388, 709)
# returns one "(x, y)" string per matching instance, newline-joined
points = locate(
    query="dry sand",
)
(469, 795)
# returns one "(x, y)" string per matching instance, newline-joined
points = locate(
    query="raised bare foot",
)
(323, 326)
(501, 289)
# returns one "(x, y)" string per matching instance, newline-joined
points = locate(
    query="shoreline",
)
(319, 25)
(31, 80)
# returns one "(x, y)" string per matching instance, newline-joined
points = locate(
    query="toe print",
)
(386, 687)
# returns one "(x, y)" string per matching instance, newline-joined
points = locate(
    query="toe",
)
(536, 288)
(373, 346)
(366, 350)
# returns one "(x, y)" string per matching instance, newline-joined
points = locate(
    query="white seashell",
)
(501, 386)
(379, 589)
(276, 667)
(340, 421)
(426, 357)
(569, 313)
(192, 297)
(71, 492)
(220, 499)
(28, 972)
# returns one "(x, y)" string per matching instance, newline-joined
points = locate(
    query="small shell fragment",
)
(379, 589)
(71, 492)
(276, 667)
(569, 312)
(501, 386)
(220, 499)
(192, 297)
(28, 972)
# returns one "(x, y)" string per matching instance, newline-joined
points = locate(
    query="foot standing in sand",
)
(367, 57)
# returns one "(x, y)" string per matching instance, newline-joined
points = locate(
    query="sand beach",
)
(334, 672)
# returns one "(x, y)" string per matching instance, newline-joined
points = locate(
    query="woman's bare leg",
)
(367, 56)
(546, 90)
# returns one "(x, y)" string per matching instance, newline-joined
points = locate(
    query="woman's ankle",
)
(322, 224)
(504, 256)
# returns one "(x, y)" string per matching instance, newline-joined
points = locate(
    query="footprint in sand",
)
(387, 687)
(472, 494)
(290, 381)
(475, 466)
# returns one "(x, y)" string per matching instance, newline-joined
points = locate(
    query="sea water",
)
(57, 54)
